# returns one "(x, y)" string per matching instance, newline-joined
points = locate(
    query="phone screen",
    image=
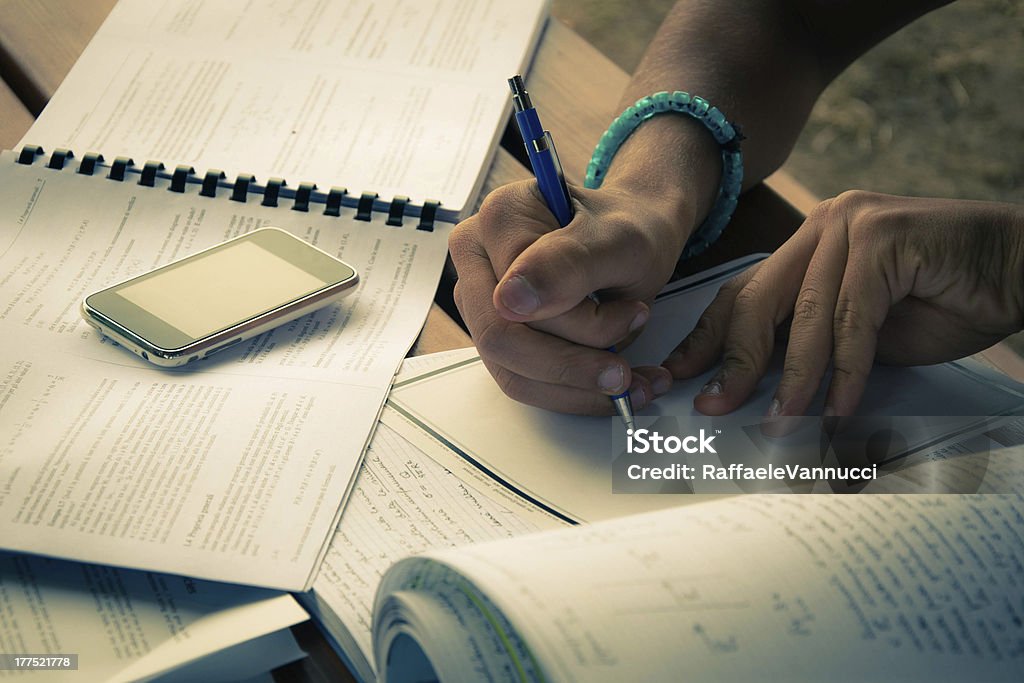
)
(202, 296)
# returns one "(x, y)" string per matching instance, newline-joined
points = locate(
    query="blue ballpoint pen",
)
(540, 148)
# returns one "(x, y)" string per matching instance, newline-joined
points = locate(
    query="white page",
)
(404, 503)
(401, 97)
(764, 588)
(277, 424)
(127, 625)
(564, 460)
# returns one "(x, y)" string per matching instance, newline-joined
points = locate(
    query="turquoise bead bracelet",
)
(727, 136)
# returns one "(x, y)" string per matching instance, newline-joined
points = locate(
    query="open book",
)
(236, 469)
(753, 588)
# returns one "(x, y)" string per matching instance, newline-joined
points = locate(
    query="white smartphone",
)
(209, 301)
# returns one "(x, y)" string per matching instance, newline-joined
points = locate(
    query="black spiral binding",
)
(272, 190)
(89, 162)
(29, 153)
(149, 171)
(334, 200)
(240, 189)
(303, 196)
(397, 210)
(59, 157)
(211, 181)
(119, 168)
(364, 210)
(427, 215)
(179, 179)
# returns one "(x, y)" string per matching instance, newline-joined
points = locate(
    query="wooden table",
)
(41, 39)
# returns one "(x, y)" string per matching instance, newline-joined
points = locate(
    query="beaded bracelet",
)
(726, 135)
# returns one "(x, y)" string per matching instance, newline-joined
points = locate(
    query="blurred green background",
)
(935, 110)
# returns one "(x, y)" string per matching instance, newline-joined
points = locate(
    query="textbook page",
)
(129, 625)
(397, 97)
(753, 588)
(405, 502)
(563, 461)
(232, 468)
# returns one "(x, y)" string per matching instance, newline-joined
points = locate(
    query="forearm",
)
(763, 64)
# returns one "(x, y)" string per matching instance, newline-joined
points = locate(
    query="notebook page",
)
(398, 97)
(770, 588)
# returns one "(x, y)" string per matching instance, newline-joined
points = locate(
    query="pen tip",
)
(625, 410)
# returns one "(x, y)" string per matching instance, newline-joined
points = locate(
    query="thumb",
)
(561, 269)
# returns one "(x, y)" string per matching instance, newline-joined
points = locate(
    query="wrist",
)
(670, 159)
(687, 161)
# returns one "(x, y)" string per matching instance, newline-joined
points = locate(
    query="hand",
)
(523, 291)
(867, 276)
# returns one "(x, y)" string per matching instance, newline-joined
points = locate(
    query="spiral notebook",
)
(230, 469)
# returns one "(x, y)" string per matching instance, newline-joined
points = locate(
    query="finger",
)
(566, 399)
(703, 345)
(597, 325)
(540, 356)
(758, 308)
(810, 334)
(660, 378)
(863, 303)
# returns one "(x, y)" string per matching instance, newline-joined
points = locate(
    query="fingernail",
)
(519, 296)
(638, 397)
(661, 384)
(712, 388)
(639, 321)
(611, 379)
(774, 409)
(829, 411)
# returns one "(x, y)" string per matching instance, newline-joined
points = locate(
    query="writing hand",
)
(523, 291)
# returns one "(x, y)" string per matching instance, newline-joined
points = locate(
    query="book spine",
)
(275, 192)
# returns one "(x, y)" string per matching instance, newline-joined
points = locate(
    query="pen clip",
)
(547, 143)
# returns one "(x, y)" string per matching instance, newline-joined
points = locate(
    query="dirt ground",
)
(935, 110)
